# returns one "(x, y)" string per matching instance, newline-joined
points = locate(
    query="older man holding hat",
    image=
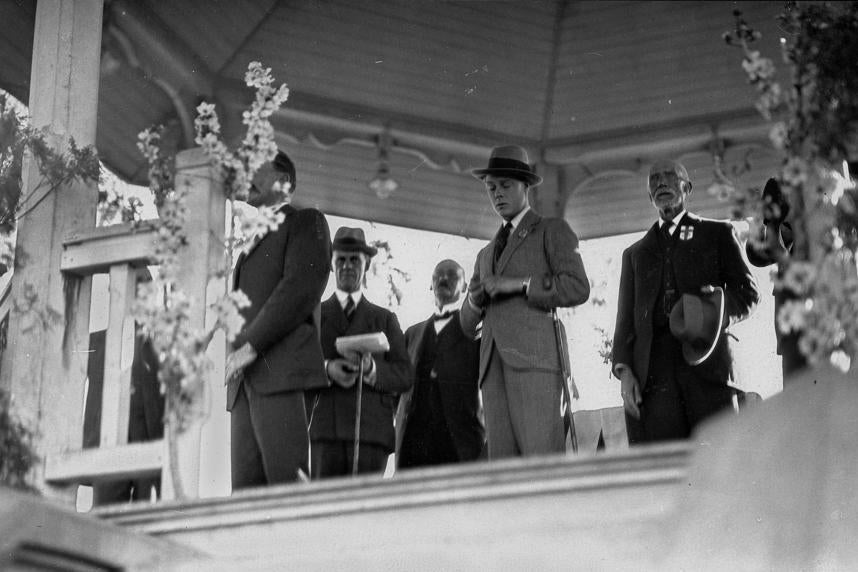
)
(531, 267)
(334, 410)
(681, 286)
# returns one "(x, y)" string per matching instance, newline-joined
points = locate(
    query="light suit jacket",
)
(522, 327)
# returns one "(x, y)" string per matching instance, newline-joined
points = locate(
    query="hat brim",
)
(353, 246)
(697, 353)
(531, 179)
(766, 255)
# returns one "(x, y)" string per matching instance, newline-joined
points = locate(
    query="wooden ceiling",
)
(594, 90)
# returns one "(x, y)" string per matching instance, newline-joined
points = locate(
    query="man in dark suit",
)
(664, 396)
(439, 420)
(530, 268)
(347, 312)
(277, 355)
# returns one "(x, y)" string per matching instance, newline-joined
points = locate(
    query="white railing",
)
(121, 251)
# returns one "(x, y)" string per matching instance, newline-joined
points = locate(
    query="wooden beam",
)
(44, 366)
(306, 110)
(646, 142)
(106, 464)
(118, 356)
(96, 250)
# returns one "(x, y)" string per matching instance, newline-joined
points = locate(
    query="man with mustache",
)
(347, 313)
(439, 420)
(530, 268)
(682, 262)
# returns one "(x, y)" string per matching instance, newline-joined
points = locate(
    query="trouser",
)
(427, 440)
(335, 458)
(523, 411)
(675, 400)
(270, 443)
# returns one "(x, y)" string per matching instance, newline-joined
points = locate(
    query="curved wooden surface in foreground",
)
(539, 513)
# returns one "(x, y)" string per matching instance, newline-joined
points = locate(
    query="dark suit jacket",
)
(284, 275)
(710, 255)
(458, 383)
(522, 327)
(333, 417)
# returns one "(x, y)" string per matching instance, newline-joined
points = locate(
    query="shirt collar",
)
(676, 220)
(341, 296)
(451, 307)
(516, 220)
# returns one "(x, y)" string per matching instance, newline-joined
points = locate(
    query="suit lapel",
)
(341, 324)
(685, 238)
(237, 270)
(358, 317)
(417, 346)
(530, 220)
(650, 266)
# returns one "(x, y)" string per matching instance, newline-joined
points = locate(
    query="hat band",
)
(504, 163)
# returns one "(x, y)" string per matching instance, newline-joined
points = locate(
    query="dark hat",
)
(283, 164)
(697, 322)
(509, 161)
(351, 240)
(775, 246)
(775, 204)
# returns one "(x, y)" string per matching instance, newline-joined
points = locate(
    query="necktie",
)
(350, 308)
(665, 229)
(501, 238)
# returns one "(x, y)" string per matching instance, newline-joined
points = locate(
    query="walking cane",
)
(359, 392)
(362, 345)
(566, 374)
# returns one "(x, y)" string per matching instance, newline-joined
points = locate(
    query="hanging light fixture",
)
(383, 184)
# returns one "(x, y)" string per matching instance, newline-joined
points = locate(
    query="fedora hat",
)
(509, 161)
(697, 322)
(775, 210)
(352, 240)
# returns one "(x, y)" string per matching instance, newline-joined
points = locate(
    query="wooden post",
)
(44, 366)
(545, 199)
(118, 357)
(205, 443)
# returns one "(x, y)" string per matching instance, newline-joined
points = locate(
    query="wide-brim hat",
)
(509, 161)
(352, 240)
(697, 321)
(774, 217)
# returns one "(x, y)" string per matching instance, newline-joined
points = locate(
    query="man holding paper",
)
(347, 313)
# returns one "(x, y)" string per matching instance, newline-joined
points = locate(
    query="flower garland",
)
(815, 128)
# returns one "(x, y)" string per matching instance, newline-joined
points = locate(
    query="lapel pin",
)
(686, 232)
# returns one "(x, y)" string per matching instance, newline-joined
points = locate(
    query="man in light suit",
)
(530, 268)
(277, 355)
(664, 394)
(346, 313)
(440, 420)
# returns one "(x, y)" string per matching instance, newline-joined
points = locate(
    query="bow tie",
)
(444, 316)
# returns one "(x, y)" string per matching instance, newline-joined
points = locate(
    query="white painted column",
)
(44, 365)
(204, 450)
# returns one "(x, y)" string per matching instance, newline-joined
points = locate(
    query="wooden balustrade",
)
(122, 251)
